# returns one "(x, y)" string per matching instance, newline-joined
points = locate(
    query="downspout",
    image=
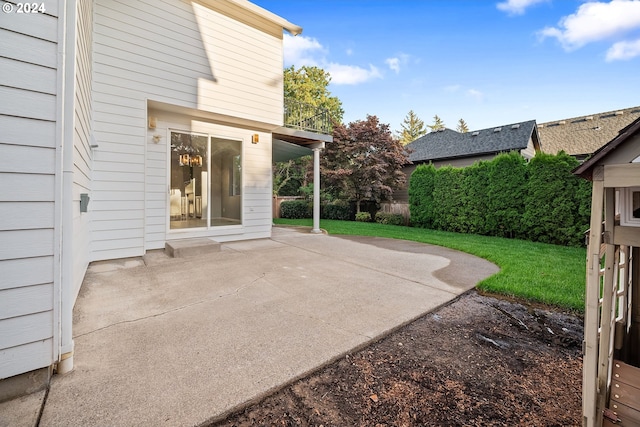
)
(65, 360)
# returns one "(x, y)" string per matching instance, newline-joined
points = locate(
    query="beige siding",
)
(187, 55)
(28, 86)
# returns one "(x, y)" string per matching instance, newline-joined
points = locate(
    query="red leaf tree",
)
(364, 161)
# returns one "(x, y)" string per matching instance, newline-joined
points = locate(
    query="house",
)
(581, 136)
(127, 126)
(611, 361)
(447, 147)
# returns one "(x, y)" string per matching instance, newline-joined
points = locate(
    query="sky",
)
(490, 63)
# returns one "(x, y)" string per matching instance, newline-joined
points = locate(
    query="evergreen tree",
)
(437, 124)
(462, 126)
(412, 128)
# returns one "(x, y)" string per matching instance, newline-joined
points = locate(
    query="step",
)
(191, 247)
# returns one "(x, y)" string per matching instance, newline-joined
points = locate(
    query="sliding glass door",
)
(206, 181)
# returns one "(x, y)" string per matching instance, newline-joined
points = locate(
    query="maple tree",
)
(364, 161)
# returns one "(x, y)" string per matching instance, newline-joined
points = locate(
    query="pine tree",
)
(412, 128)
(437, 124)
(462, 126)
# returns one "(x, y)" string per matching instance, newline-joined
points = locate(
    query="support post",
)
(591, 317)
(316, 191)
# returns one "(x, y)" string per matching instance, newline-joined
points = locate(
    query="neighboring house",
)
(126, 125)
(611, 361)
(581, 136)
(447, 147)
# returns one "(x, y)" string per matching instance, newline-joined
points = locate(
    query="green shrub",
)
(421, 187)
(363, 217)
(540, 200)
(389, 218)
(507, 191)
(295, 209)
(337, 210)
(554, 211)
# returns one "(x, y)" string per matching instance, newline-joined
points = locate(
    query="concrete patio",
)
(179, 342)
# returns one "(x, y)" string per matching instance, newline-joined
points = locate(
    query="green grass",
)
(536, 272)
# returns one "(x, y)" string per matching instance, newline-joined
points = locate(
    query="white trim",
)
(626, 207)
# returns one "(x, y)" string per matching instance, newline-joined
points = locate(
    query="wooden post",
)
(608, 311)
(592, 296)
(634, 339)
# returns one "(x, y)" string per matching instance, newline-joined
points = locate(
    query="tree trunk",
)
(357, 206)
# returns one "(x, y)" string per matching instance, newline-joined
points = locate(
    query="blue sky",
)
(488, 62)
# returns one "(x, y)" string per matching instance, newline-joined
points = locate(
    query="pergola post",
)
(316, 190)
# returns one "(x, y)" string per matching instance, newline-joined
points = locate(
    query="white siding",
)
(256, 197)
(82, 156)
(191, 56)
(28, 84)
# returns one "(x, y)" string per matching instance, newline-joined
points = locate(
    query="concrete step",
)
(191, 247)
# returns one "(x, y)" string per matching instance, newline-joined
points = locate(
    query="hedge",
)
(295, 209)
(540, 200)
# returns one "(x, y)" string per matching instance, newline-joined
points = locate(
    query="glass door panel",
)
(225, 182)
(188, 192)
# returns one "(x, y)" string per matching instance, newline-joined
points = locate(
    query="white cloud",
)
(394, 64)
(623, 50)
(516, 7)
(595, 21)
(452, 88)
(300, 51)
(351, 74)
(476, 94)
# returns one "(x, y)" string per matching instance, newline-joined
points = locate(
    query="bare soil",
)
(479, 361)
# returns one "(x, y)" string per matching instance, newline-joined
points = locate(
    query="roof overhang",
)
(291, 144)
(269, 16)
(300, 137)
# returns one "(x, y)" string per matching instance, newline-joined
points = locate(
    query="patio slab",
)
(183, 341)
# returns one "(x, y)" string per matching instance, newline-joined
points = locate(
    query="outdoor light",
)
(255, 138)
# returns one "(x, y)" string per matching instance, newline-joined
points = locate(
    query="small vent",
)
(475, 134)
(588, 118)
(497, 129)
(562, 122)
(515, 126)
(619, 113)
(540, 126)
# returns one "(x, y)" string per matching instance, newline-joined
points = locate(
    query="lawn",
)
(536, 272)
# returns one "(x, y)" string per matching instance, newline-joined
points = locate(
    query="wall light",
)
(255, 138)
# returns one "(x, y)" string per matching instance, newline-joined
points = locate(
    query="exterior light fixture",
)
(255, 138)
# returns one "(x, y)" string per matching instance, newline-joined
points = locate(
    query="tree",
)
(462, 126)
(290, 176)
(412, 128)
(437, 124)
(364, 161)
(310, 85)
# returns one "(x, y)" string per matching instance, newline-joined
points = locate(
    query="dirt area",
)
(478, 361)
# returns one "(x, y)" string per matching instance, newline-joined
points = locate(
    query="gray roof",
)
(449, 144)
(585, 134)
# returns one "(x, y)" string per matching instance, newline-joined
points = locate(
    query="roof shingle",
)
(584, 135)
(449, 144)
